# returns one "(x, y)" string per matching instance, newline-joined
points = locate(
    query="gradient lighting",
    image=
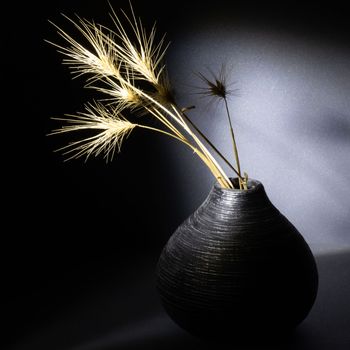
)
(292, 120)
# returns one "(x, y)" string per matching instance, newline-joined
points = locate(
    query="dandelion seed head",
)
(216, 85)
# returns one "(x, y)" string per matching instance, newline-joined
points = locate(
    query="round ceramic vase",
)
(237, 266)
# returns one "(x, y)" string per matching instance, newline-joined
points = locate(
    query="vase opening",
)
(251, 184)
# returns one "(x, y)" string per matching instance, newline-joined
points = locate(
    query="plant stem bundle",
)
(128, 69)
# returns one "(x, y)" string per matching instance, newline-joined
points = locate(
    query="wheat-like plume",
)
(100, 62)
(111, 126)
(144, 57)
(122, 92)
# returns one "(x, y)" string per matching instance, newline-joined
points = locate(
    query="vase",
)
(237, 266)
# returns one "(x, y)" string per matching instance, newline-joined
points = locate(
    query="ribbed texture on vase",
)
(237, 265)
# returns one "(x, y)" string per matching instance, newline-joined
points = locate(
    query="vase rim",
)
(253, 186)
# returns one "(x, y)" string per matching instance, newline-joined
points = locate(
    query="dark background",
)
(74, 231)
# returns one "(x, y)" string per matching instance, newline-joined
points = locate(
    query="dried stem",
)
(211, 145)
(235, 150)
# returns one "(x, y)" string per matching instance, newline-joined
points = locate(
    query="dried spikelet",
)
(144, 57)
(122, 92)
(98, 63)
(112, 129)
(165, 93)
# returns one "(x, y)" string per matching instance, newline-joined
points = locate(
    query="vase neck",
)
(255, 187)
(254, 198)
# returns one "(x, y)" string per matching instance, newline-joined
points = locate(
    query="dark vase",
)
(237, 266)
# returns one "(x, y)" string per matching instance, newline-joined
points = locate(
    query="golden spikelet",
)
(145, 57)
(112, 128)
(121, 92)
(98, 62)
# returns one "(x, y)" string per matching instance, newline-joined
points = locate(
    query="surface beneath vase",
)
(124, 312)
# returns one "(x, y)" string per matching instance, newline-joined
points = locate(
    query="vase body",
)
(237, 266)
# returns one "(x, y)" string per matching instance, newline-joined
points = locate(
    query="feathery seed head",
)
(112, 129)
(122, 92)
(164, 91)
(143, 56)
(216, 86)
(99, 61)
